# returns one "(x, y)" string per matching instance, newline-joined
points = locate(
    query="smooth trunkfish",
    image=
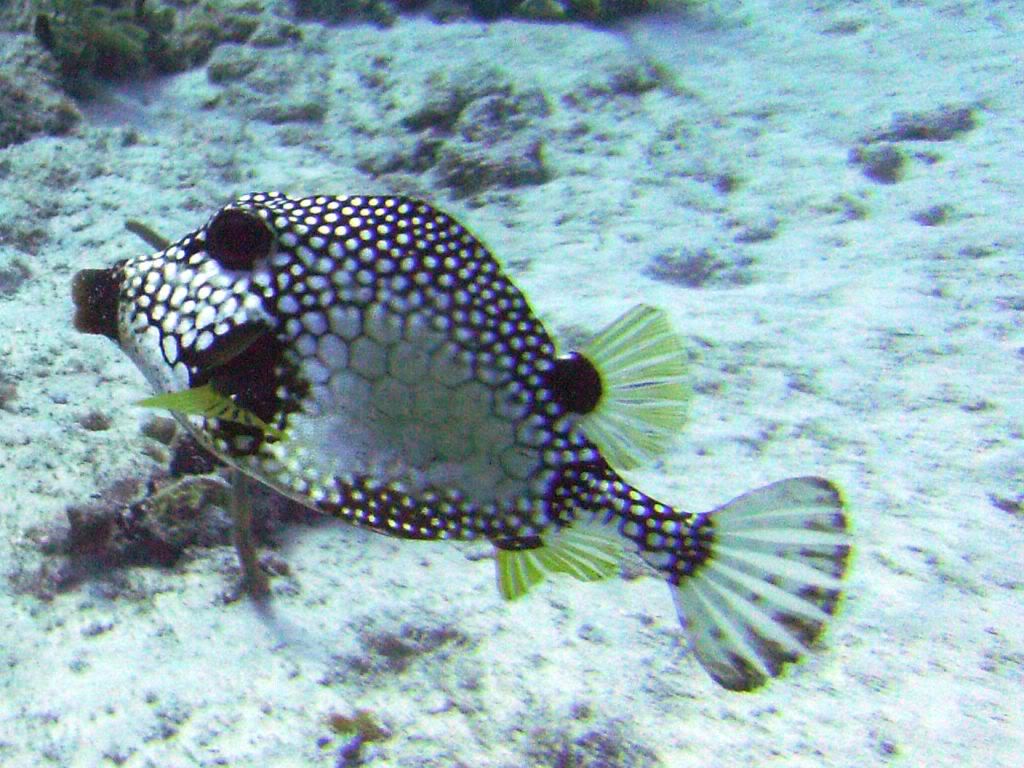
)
(367, 357)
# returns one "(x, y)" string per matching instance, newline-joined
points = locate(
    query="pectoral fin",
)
(207, 401)
(642, 408)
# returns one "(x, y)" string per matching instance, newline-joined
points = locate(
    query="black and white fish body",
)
(368, 357)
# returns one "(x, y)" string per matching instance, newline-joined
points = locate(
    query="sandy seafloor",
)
(848, 333)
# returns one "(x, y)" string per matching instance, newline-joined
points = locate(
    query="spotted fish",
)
(368, 357)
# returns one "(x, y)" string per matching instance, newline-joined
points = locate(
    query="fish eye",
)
(236, 238)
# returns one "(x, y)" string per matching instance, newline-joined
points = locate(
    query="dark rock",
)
(844, 27)
(883, 163)
(583, 744)
(91, 528)
(276, 33)
(207, 25)
(146, 522)
(757, 231)
(474, 130)
(162, 429)
(467, 168)
(395, 651)
(13, 273)
(8, 392)
(629, 80)
(976, 251)
(260, 83)
(299, 111)
(499, 116)
(847, 207)
(190, 458)
(401, 158)
(231, 63)
(940, 124)
(31, 99)
(633, 79)
(933, 216)
(725, 183)
(449, 95)
(390, 644)
(158, 529)
(695, 268)
(380, 12)
(155, 530)
(95, 421)
(1015, 506)
(496, 142)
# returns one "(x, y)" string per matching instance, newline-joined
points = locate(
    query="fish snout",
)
(95, 293)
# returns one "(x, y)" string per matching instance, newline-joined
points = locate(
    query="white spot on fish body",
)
(288, 304)
(332, 351)
(306, 345)
(170, 349)
(346, 322)
(206, 316)
(315, 323)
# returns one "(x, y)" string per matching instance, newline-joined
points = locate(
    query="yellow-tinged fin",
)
(585, 552)
(208, 402)
(642, 407)
(773, 579)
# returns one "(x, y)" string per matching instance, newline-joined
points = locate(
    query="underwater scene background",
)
(825, 197)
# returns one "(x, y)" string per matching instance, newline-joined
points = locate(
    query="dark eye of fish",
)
(238, 238)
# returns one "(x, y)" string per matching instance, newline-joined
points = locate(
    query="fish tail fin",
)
(756, 580)
(640, 362)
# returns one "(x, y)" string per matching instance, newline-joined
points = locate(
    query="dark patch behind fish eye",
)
(575, 383)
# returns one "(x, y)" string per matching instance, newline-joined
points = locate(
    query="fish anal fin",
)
(585, 552)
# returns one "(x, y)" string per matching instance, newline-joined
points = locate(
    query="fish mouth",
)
(248, 364)
(95, 294)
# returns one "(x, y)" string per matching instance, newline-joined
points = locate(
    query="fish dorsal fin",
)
(641, 364)
(207, 401)
(585, 552)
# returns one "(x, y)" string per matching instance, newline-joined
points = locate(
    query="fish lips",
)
(95, 294)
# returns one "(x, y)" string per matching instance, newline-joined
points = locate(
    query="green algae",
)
(105, 39)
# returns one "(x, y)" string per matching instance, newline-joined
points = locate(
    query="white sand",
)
(879, 352)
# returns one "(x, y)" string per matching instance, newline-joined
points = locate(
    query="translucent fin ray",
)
(761, 621)
(731, 630)
(767, 590)
(773, 565)
(780, 536)
(207, 402)
(643, 404)
(584, 552)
